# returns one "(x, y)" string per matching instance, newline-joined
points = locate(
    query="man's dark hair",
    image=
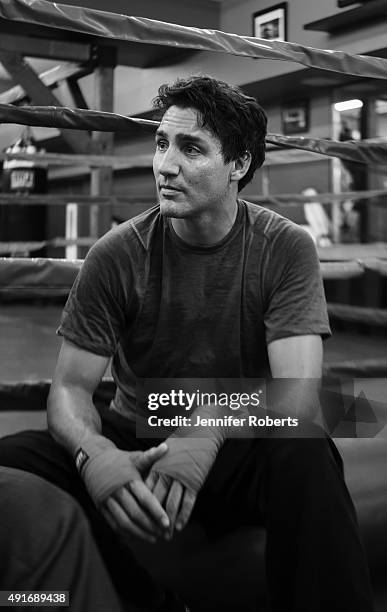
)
(236, 119)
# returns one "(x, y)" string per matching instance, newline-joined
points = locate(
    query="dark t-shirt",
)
(166, 309)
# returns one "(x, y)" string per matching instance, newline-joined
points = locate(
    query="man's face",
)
(190, 173)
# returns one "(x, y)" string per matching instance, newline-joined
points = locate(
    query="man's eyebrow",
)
(160, 132)
(190, 138)
(182, 137)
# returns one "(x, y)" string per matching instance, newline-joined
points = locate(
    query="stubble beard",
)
(175, 210)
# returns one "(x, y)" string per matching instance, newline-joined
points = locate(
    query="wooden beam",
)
(49, 78)
(64, 94)
(22, 72)
(46, 48)
(102, 178)
(76, 93)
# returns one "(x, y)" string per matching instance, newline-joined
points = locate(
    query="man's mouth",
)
(169, 188)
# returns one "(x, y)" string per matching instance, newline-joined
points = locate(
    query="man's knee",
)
(16, 449)
(306, 456)
(37, 452)
(27, 498)
(37, 520)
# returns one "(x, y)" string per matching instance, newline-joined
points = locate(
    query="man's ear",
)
(240, 166)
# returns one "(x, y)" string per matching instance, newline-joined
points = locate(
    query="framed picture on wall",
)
(295, 117)
(270, 23)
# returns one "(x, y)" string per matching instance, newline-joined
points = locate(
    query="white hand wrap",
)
(103, 470)
(188, 460)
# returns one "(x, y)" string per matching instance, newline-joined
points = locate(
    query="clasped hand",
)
(131, 508)
(176, 478)
(159, 489)
(150, 493)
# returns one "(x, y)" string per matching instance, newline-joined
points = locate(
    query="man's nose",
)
(169, 163)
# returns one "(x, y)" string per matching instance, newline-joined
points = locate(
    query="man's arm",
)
(108, 472)
(296, 367)
(71, 413)
(296, 357)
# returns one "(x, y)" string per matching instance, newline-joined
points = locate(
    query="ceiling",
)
(306, 82)
(201, 14)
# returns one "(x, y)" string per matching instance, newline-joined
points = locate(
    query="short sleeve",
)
(94, 315)
(295, 298)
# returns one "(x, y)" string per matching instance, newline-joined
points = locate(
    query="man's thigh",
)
(230, 496)
(235, 491)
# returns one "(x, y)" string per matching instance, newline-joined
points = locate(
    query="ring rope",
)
(375, 265)
(145, 160)
(71, 118)
(63, 200)
(362, 152)
(341, 270)
(277, 199)
(344, 312)
(357, 368)
(74, 159)
(356, 251)
(37, 275)
(37, 245)
(368, 256)
(358, 314)
(144, 30)
(322, 198)
(370, 153)
(32, 394)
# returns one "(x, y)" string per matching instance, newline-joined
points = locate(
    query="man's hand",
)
(177, 500)
(114, 480)
(178, 476)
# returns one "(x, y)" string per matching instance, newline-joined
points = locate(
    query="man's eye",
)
(191, 150)
(161, 145)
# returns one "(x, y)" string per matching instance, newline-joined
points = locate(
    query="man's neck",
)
(208, 228)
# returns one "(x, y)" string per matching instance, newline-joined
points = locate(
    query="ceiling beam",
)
(49, 78)
(40, 94)
(46, 48)
(76, 93)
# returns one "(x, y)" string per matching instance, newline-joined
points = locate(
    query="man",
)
(203, 285)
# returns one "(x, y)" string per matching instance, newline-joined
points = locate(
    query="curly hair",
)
(236, 119)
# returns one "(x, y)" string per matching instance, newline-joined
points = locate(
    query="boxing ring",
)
(33, 291)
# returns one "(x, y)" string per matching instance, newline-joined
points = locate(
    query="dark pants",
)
(294, 487)
(58, 554)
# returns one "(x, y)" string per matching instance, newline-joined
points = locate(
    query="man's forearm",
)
(72, 417)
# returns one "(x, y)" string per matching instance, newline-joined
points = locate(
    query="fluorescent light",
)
(348, 105)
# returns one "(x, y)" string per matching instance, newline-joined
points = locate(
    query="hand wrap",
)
(103, 470)
(190, 458)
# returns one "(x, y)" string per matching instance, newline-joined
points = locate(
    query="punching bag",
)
(26, 222)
